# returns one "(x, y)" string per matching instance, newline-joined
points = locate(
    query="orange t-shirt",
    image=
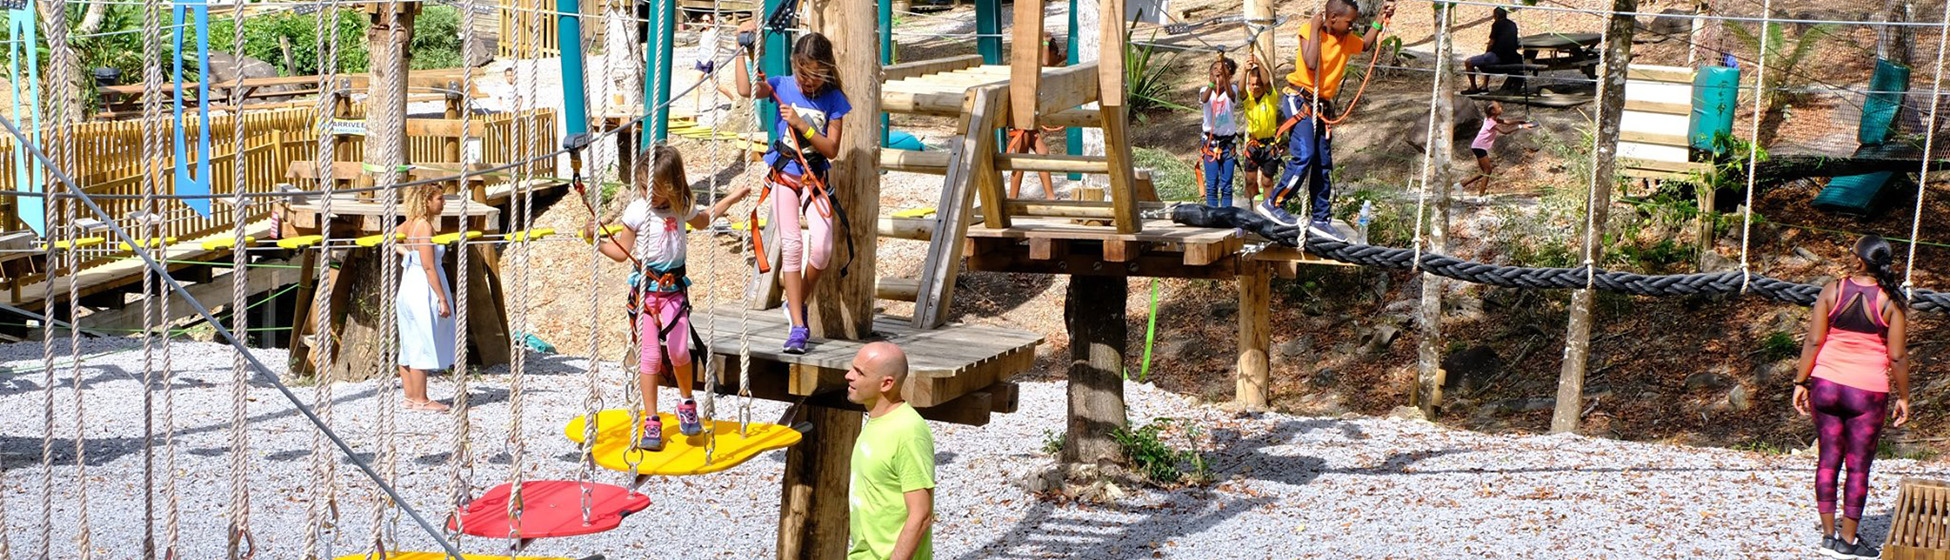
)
(1334, 52)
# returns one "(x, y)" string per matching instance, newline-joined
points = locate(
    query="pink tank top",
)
(1856, 352)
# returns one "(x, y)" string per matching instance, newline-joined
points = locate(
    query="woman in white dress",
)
(426, 314)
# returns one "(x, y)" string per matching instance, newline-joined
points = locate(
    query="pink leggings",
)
(795, 253)
(659, 309)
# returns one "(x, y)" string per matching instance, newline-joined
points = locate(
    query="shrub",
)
(1157, 461)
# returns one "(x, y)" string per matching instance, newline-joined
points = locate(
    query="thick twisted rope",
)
(460, 472)
(321, 516)
(240, 496)
(149, 228)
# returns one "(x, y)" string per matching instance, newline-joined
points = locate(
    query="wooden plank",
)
(120, 273)
(1651, 73)
(1120, 250)
(937, 104)
(1084, 262)
(216, 293)
(986, 109)
(1656, 107)
(1059, 208)
(974, 343)
(1044, 248)
(931, 162)
(1157, 231)
(1052, 163)
(1026, 62)
(350, 170)
(444, 127)
(1654, 138)
(1077, 118)
(1067, 88)
(487, 312)
(917, 229)
(897, 72)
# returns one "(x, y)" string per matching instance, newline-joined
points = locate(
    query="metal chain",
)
(322, 513)
(461, 464)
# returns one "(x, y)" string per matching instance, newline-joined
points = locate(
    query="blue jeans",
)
(1218, 174)
(1311, 159)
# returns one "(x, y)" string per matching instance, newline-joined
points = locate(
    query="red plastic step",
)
(550, 508)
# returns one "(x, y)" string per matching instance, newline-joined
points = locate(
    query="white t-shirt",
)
(659, 233)
(1220, 112)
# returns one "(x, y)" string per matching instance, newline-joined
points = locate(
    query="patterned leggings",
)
(1847, 424)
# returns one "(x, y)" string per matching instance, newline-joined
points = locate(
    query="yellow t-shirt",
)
(1334, 52)
(894, 455)
(1262, 115)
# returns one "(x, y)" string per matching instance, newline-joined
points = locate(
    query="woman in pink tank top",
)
(1854, 353)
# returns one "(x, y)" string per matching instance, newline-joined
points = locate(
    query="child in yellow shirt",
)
(1262, 111)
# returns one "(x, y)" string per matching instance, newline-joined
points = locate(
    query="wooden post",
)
(1252, 388)
(842, 304)
(456, 102)
(1577, 339)
(1110, 92)
(1260, 12)
(813, 505)
(1026, 63)
(1093, 312)
(1436, 178)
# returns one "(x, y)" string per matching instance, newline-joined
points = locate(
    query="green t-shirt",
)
(894, 456)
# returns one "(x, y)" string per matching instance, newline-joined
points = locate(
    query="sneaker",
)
(1323, 228)
(1830, 547)
(687, 421)
(1275, 213)
(795, 342)
(1858, 549)
(652, 438)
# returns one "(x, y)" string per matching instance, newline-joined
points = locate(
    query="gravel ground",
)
(1293, 486)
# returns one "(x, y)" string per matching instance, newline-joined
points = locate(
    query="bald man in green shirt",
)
(891, 499)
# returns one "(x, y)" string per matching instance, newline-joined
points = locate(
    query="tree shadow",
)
(1045, 532)
(25, 451)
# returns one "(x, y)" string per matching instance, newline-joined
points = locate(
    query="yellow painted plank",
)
(301, 241)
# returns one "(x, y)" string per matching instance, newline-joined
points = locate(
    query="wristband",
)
(1809, 383)
(1375, 24)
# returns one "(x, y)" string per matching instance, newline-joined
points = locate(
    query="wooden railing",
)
(516, 16)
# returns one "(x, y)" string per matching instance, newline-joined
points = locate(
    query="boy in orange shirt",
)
(1326, 44)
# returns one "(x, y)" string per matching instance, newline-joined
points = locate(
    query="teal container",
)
(1716, 94)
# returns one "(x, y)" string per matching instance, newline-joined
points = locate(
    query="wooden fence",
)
(109, 160)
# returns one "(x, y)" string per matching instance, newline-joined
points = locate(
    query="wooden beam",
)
(1052, 163)
(936, 104)
(1067, 88)
(1110, 93)
(931, 162)
(813, 496)
(445, 127)
(898, 289)
(1077, 118)
(1081, 261)
(918, 68)
(1026, 62)
(1252, 386)
(917, 229)
(1059, 208)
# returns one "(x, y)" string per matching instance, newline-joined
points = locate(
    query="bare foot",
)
(428, 405)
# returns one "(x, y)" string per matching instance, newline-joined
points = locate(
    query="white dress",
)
(426, 340)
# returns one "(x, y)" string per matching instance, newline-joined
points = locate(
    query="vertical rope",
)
(593, 402)
(633, 397)
(709, 408)
(1597, 152)
(153, 146)
(461, 463)
(322, 513)
(240, 496)
(1428, 156)
(524, 210)
(387, 179)
(1929, 137)
(61, 146)
(1753, 152)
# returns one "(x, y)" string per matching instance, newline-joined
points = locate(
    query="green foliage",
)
(1762, 447)
(1390, 225)
(1172, 177)
(1886, 449)
(1147, 79)
(1779, 346)
(1053, 442)
(1157, 461)
(1783, 58)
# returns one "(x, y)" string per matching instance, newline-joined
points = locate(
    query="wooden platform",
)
(957, 373)
(304, 212)
(128, 271)
(1162, 249)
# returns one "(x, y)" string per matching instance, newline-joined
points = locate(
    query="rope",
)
(389, 157)
(593, 403)
(710, 405)
(322, 514)
(240, 497)
(1598, 152)
(61, 144)
(525, 200)
(1753, 154)
(1428, 157)
(461, 464)
(152, 149)
(1630, 283)
(1929, 138)
(633, 397)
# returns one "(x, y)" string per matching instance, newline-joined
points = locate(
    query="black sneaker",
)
(1831, 547)
(1858, 549)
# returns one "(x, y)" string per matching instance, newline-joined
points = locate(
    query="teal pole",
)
(988, 24)
(1073, 141)
(886, 57)
(776, 62)
(575, 100)
(656, 89)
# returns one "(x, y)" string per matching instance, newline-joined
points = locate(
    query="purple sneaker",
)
(687, 421)
(652, 438)
(795, 342)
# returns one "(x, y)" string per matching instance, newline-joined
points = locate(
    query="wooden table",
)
(1565, 51)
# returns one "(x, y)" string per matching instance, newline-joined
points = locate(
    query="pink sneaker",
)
(687, 421)
(652, 438)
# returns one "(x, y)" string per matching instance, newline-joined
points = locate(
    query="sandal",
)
(426, 405)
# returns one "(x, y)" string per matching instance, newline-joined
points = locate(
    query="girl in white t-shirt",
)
(654, 230)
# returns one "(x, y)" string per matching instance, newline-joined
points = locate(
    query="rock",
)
(1326, 377)
(1671, 22)
(1344, 348)
(1713, 261)
(1539, 403)
(1400, 307)
(1739, 398)
(1470, 369)
(1466, 308)
(1224, 310)
(1378, 340)
(1407, 413)
(1707, 380)
(1807, 255)
(1041, 480)
(1299, 346)
(1777, 373)
(1177, 349)
(484, 50)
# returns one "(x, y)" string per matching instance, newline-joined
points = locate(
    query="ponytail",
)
(1880, 259)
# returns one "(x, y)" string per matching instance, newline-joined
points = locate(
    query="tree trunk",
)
(91, 21)
(1611, 95)
(1436, 179)
(813, 503)
(1252, 387)
(842, 304)
(1093, 312)
(359, 323)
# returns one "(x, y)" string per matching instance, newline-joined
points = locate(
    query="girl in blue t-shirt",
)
(810, 109)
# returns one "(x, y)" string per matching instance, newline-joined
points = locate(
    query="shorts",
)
(1264, 159)
(705, 65)
(1485, 59)
(663, 311)
(1480, 153)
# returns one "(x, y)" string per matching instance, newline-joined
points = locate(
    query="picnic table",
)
(1562, 51)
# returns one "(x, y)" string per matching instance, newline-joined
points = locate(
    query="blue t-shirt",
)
(816, 111)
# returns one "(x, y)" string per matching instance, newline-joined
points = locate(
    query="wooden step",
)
(898, 289)
(918, 229)
(1052, 163)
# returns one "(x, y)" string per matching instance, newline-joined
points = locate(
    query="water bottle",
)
(1367, 215)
